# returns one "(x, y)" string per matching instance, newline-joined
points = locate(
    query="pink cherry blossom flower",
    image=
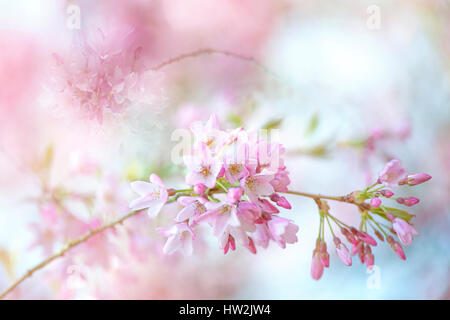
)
(257, 185)
(193, 207)
(235, 171)
(100, 72)
(234, 195)
(281, 180)
(179, 237)
(220, 216)
(153, 195)
(404, 231)
(203, 168)
(209, 134)
(392, 173)
(282, 230)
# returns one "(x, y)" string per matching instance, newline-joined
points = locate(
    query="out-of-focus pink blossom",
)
(153, 195)
(179, 237)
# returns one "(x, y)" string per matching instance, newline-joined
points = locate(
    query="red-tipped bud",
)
(418, 178)
(398, 249)
(367, 238)
(386, 193)
(411, 201)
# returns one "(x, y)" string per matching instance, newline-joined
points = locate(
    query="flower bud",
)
(418, 178)
(199, 188)
(386, 193)
(375, 202)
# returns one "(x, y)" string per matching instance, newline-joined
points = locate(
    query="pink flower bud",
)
(418, 178)
(230, 244)
(344, 254)
(316, 266)
(386, 193)
(234, 195)
(404, 231)
(370, 260)
(375, 202)
(281, 201)
(411, 201)
(199, 188)
(325, 259)
(336, 241)
(356, 247)
(379, 235)
(251, 245)
(401, 200)
(398, 250)
(367, 238)
(362, 255)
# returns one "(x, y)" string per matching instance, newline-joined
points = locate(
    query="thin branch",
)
(69, 246)
(318, 196)
(209, 51)
(346, 199)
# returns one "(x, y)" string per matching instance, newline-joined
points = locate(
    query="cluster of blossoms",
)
(102, 74)
(235, 180)
(396, 221)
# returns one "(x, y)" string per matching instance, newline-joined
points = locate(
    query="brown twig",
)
(209, 51)
(69, 246)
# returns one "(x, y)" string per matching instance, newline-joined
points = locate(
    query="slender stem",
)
(69, 246)
(209, 51)
(317, 196)
(222, 186)
(329, 225)
(379, 227)
(338, 222)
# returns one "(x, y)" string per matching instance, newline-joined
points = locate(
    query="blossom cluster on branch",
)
(236, 180)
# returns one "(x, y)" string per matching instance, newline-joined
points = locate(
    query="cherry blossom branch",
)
(347, 199)
(114, 223)
(209, 51)
(68, 247)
